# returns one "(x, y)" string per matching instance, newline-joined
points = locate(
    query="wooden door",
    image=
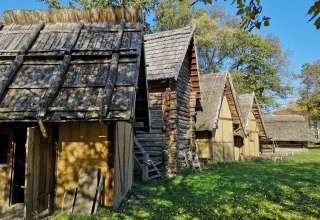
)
(40, 164)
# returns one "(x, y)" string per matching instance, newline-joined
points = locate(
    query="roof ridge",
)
(100, 15)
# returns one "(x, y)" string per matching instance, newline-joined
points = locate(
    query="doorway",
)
(19, 161)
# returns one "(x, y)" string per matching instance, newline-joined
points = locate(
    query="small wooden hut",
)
(172, 72)
(253, 123)
(288, 132)
(69, 84)
(219, 126)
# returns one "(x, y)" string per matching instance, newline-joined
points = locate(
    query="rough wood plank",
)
(74, 37)
(88, 183)
(32, 37)
(55, 83)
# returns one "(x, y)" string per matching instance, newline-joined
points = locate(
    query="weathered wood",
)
(55, 83)
(88, 182)
(74, 37)
(112, 74)
(10, 73)
(31, 39)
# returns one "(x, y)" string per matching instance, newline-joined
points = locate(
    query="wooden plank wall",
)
(251, 146)
(82, 145)
(123, 160)
(218, 146)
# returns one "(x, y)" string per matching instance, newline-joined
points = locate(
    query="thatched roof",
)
(69, 70)
(288, 128)
(213, 87)
(165, 52)
(249, 103)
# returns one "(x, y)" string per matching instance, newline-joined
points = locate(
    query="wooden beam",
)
(74, 37)
(42, 128)
(112, 73)
(54, 84)
(33, 36)
(10, 73)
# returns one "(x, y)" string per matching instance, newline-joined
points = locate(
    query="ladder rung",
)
(154, 176)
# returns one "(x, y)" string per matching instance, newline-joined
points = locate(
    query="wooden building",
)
(219, 126)
(253, 123)
(69, 84)
(173, 82)
(288, 132)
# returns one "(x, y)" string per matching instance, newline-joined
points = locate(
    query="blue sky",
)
(288, 21)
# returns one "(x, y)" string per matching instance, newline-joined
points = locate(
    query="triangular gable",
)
(66, 69)
(165, 52)
(249, 103)
(214, 87)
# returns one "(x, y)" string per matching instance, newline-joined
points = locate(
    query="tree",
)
(310, 88)
(146, 5)
(257, 62)
(250, 12)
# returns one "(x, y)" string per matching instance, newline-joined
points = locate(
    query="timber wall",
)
(123, 162)
(172, 120)
(219, 146)
(251, 146)
(3, 177)
(83, 145)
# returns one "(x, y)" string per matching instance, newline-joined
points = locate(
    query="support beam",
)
(54, 84)
(12, 70)
(113, 72)
(74, 37)
(31, 39)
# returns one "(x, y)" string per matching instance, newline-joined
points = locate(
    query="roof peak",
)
(100, 15)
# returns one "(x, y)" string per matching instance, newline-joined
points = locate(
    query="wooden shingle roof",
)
(213, 88)
(165, 52)
(61, 65)
(288, 128)
(249, 103)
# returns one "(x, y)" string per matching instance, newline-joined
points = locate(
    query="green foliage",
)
(146, 5)
(240, 190)
(250, 12)
(257, 62)
(310, 89)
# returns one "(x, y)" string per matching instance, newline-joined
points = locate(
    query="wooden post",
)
(145, 168)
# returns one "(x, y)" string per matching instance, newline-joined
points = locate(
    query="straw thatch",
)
(213, 87)
(165, 52)
(249, 103)
(100, 15)
(288, 128)
(68, 70)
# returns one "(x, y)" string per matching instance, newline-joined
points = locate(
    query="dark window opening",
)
(4, 145)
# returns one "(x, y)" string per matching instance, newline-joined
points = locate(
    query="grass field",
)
(242, 190)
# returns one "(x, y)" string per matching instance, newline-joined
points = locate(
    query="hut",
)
(173, 82)
(288, 132)
(253, 124)
(70, 81)
(219, 126)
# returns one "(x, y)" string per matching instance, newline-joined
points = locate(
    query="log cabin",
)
(253, 123)
(219, 126)
(69, 84)
(288, 132)
(173, 82)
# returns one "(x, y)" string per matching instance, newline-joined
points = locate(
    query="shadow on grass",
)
(242, 190)
(289, 189)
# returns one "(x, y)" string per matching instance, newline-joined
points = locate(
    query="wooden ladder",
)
(147, 166)
(194, 161)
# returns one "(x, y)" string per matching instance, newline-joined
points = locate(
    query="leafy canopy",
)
(310, 88)
(257, 62)
(250, 11)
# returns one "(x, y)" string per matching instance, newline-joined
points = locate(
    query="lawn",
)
(241, 190)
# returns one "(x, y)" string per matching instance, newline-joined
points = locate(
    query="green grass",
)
(243, 190)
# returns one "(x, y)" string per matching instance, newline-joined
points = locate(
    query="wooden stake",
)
(42, 128)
